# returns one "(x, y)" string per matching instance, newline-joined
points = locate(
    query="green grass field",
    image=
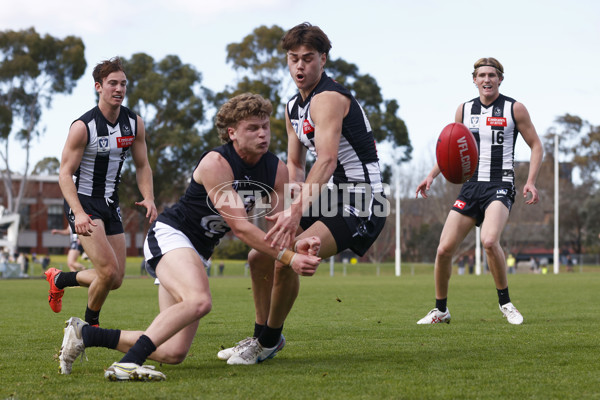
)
(349, 337)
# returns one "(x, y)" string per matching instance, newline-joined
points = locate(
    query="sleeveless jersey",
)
(99, 172)
(357, 160)
(195, 215)
(496, 133)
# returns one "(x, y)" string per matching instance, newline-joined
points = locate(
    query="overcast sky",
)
(420, 52)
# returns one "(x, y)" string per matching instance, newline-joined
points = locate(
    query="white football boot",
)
(72, 345)
(254, 353)
(511, 314)
(133, 372)
(435, 316)
(225, 354)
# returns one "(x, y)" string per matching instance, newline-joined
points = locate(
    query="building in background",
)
(42, 210)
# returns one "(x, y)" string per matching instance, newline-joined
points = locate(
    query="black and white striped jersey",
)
(496, 133)
(99, 172)
(357, 160)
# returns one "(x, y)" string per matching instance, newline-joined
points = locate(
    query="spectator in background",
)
(544, 265)
(45, 262)
(511, 261)
(461, 265)
(569, 263)
(471, 265)
(533, 265)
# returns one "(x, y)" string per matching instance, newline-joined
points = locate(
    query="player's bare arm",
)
(532, 139)
(425, 184)
(283, 221)
(285, 237)
(328, 110)
(64, 231)
(70, 160)
(212, 172)
(143, 172)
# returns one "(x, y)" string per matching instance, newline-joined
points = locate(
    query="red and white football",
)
(456, 153)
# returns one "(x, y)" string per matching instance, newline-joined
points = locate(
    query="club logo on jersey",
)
(475, 121)
(307, 127)
(460, 204)
(125, 141)
(214, 225)
(103, 145)
(126, 130)
(246, 195)
(496, 121)
(497, 112)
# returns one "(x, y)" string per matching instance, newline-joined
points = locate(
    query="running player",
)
(90, 172)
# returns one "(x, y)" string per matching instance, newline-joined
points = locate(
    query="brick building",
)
(42, 210)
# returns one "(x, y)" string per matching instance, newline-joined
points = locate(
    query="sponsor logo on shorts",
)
(460, 204)
(501, 192)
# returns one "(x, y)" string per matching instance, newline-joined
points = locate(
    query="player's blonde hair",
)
(239, 108)
(488, 62)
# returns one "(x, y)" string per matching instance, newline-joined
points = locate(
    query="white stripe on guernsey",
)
(86, 167)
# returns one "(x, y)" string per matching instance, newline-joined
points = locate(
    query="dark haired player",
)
(325, 119)
(90, 172)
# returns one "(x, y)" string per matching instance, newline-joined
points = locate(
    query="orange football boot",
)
(54, 294)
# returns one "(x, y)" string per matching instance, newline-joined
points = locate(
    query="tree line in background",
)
(177, 111)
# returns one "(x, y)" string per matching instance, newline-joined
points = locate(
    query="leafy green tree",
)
(579, 142)
(579, 149)
(168, 95)
(262, 65)
(47, 166)
(33, 69)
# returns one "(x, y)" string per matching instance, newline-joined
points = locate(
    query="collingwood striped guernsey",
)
(496, 133)
(357, 156)
(107, 147)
